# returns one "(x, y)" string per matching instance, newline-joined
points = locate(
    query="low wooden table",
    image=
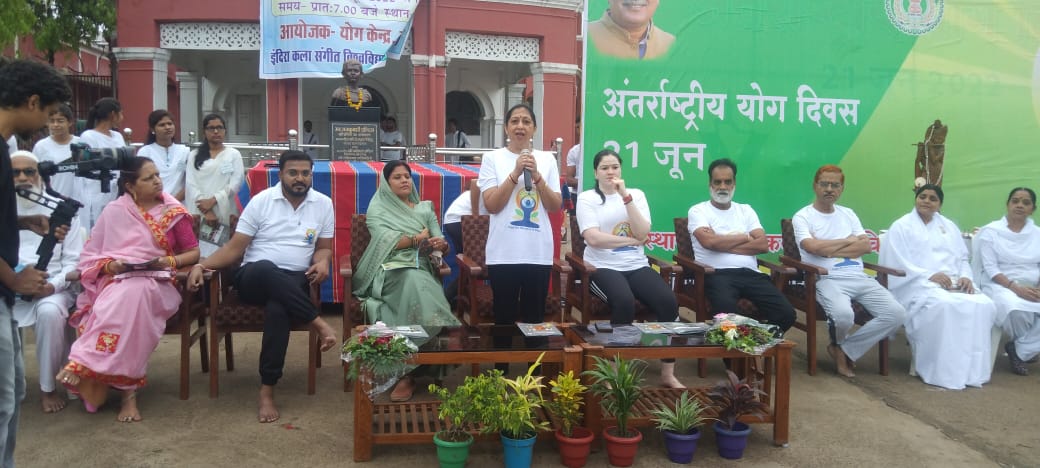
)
(415, 422)
(775, 375)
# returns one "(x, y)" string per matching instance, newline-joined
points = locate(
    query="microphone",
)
(527, 172)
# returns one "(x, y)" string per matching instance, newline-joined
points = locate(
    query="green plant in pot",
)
(618, 383)
(574, 442)
(680, 426)
(518, 419)
(473, 405)
(734, 398)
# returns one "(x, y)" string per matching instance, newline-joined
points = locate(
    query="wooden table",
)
(775, 375)
(415, 422)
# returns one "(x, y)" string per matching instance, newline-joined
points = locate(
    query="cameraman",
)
(29, 92)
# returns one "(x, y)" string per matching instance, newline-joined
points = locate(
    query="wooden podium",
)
(354, 134)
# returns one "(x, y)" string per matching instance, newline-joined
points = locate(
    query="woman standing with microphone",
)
(520, 242)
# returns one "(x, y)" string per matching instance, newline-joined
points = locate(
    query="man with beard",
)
(831, 236)
(283, 238)
(627, 31)
(727, 236)
(29, 92)
(48, 311)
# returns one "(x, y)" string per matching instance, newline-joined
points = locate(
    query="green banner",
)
(782, 87)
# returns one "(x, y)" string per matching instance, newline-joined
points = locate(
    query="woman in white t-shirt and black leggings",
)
(519, 250)
(615, 221)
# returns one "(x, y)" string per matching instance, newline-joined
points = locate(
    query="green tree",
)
(66, 25)
(16, 18)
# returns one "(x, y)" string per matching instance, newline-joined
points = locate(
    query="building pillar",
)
(429, 76)
(142, 84)
(188, 83)
(282, 108)
(554, 83)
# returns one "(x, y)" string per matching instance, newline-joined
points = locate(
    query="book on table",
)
(539, 329)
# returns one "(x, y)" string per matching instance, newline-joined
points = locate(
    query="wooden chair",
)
(352, 313)
(190, 324)
(474, 302)
(690, 280)
(800, 290)
(578, 290)
(229, 314)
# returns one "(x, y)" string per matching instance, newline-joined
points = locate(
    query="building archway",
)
(464, 107)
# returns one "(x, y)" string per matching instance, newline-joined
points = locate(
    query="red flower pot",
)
(574, 450)
(621, 451)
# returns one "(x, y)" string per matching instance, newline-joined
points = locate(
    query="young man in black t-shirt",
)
(29, 93)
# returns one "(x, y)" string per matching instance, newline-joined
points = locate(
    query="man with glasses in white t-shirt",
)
(831, 236)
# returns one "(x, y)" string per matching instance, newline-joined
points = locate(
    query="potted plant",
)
(574, 441)
(680, 427)
(517, 420)
(474, 405)
(617, 383)
(734, 398)
(378, 357)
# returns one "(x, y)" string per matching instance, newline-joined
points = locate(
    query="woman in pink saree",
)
(127, 270)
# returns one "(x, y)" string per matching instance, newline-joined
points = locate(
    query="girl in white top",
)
(170, 158)
(102, 123)
(55, 148)
(520, 242)
(215, 173)
(615, 221)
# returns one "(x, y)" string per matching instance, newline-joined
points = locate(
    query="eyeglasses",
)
(832, 185)
(27, 172)
(215, 129)
(295, 173)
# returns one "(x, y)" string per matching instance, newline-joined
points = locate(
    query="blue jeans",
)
(12, 383)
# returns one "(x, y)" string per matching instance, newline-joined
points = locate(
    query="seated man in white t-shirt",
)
(283, 238)
(831, 236)
(726, 236)
(462, 206)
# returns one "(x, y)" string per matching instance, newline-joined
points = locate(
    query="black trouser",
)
(724, 287)
(453, 231)
(620, 289)
(285, 296)
(518, 294)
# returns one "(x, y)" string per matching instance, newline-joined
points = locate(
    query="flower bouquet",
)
(738, 332)
(378, 357)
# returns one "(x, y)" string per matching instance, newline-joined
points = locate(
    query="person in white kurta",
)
(103, 120)
(48, 315)
(170, 158)
(1009, 256)
(56, 148)
(948, 323)
(213, 183)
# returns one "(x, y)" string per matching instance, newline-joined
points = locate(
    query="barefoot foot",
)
(52, 402)
(669, 381)
(267, 412)
(129, 413)
(841, 361)
(326, 333)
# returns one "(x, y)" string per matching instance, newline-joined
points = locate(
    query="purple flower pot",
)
(731, 442)
(681, 447)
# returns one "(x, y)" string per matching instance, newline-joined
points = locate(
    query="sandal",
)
(1017, 365)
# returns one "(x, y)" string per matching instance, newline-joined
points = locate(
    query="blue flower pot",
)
(518, 452)
(681, 447)
(731, 442)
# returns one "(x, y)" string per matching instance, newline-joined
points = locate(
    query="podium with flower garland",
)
(354, 133)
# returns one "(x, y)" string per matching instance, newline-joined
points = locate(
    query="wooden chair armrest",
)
(802, 266)
(561, 266)
(692, 265)
(668, 269)
(881, 269)
(345, 269)
(470, 266)
(776, 268)
(578, 264)
(444, 270)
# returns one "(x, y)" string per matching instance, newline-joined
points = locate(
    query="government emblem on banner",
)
(914, 17)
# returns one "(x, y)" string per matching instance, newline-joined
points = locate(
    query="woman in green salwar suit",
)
(396, 278)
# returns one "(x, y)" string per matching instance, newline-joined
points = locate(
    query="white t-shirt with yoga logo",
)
(611, 217)
(809, 223)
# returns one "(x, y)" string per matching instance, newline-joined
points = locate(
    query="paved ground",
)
(867, 421)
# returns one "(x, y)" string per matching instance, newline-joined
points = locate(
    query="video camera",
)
(90, 163)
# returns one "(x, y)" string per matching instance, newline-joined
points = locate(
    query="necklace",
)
(360, 99)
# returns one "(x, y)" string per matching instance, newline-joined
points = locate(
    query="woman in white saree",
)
(1009, 253)
(949, 324)
(215, 173)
